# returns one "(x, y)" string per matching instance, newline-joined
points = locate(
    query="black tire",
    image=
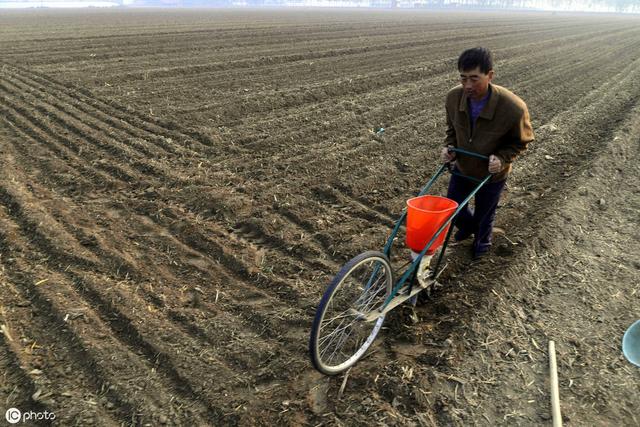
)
(360, 287)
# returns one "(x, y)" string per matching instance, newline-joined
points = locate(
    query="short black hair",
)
(476, 57)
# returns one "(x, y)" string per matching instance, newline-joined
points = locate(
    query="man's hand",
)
(447, 156)
(495, 164)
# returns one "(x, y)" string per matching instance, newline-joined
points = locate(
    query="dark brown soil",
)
(178, 187)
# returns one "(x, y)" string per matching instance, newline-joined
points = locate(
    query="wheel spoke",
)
(375, 285)
(342, 315)
(340, 344)
(335, 336)
(341, 335)
(357, 302)
(339, 329)
(368, 303)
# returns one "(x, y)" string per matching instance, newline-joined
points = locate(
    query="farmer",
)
(487, 119)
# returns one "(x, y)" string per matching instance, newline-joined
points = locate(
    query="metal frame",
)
(393, 299)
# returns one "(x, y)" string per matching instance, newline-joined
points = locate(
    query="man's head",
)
(476, 71)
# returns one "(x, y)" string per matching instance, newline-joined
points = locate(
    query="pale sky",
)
(549, 5)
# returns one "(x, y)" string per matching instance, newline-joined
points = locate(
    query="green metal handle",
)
(467, 153)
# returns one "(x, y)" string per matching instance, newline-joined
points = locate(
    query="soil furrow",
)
(182, 223)
(53, 161)
(395, 55)
(406, 107)
(136, 119)
(312, 39)
(110, 146)
(61, 339)
(348, 86)
(102, 122)
(305, 251)
(159, 303)
(121, 326)
(33, 229)
(279, 59)
(114, 261)
(378, 115)
(17, 387)
(38, 128)
(191, 236)
(110, 259)
(603, 58)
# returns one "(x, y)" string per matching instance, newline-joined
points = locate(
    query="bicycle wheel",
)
(340, 335)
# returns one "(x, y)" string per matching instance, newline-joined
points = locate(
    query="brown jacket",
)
(503, 128)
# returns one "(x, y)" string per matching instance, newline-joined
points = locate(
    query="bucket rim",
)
(635, 325)
(453, 206)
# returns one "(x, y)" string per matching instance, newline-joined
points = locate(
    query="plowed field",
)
(178, 187)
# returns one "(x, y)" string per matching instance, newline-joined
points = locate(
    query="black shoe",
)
(476, 255)
(461, 235)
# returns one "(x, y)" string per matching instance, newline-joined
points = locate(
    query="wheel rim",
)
(343, 336)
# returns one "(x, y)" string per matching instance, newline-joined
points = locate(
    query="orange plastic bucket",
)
(425, 215)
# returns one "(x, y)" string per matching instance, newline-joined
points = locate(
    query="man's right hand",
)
(447, 156)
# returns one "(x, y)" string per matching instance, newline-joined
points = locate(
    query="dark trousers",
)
(478, 221)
